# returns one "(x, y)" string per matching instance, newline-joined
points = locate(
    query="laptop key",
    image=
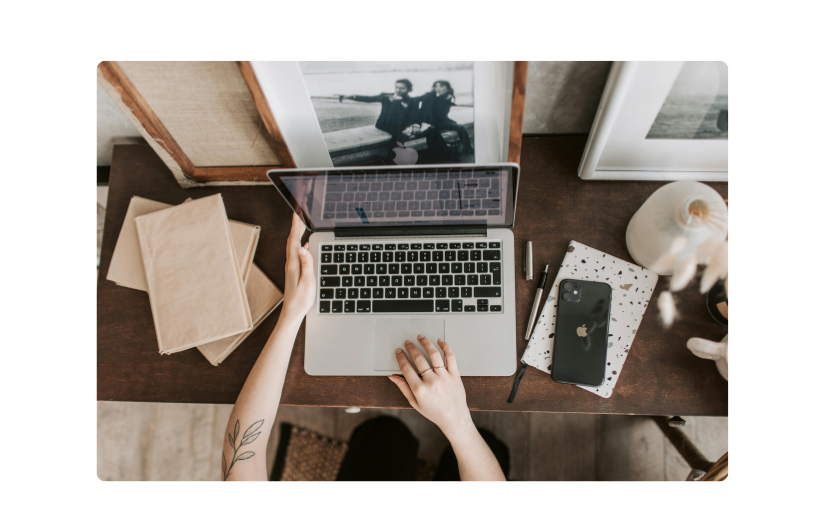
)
(486, 279)
(377, 246)
(472, 279)
(432, 268)
(456, 305)
(397, 281)
(466, 292)
(344, 270)
(497, 277)
(495, 308)
(363, 306)
(403, 246)
(329, 270)
(338, 257)
(444, 268)
(491, 255)
(381, 269)
(386, 257)
(452, 292)
(339, 247)
(495, 267)
(455, 268)
(481, 245)
(449, 255)
(359, 281)
(415, 292)
(446, 280)
(363, 257)
(365, 293)
(384, 281)
(469, 268)
(475, 255)
(356, 269)
(340, 293)
(323, 307)
(390, 246)
(403, 293)
(415, 246)
(326, 247)
(481, 267)
(352, 293)
(394, 268)
(364, 247)
(495, 245)
(467, 308)
(442, 305)
(346, 281)
(455, 245)
(483, 308)
(412, 256)
(418, 268)
(467, 245)
(403, 306)
(327, 293)
(463, 255)
(425, 255)
(435, 280)
(330, 281)
(389, 293)
(440, 292)
(326, 257)
(438, 255)
(372, 281)
(428, 292)
(369, 268)
(349, 307)
(460, 279)
(483, 302)
(400, 256)
(442, 246)
(337, 307)
(406, 268)
(429, 246)
(352, 247)
(487, 292)
(377, 293)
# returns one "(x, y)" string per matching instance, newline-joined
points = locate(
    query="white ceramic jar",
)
(685, 208)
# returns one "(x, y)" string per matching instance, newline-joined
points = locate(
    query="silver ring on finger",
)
(425, 372)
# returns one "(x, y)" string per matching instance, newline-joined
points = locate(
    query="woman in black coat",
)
(433, 119)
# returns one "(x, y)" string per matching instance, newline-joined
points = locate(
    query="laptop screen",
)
(415, 196)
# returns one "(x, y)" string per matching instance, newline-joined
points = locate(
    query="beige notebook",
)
(195, 287)
(264, 298)
(126, 267)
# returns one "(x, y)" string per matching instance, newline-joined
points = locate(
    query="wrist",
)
(460, 429)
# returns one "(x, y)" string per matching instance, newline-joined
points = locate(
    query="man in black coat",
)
(397, 110)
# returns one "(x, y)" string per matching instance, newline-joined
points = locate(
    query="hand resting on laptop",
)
(438, 394)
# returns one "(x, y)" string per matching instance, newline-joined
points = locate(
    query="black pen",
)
(535, 311)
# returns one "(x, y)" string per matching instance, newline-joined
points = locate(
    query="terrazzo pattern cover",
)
(632, 288)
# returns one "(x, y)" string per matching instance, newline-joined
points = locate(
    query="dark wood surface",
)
(660, 377)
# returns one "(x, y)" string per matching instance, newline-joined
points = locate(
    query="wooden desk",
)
(660, 377)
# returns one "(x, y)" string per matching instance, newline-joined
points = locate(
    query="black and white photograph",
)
(697, 105)
(393, 113)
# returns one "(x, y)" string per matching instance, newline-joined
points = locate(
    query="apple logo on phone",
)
(581, 331)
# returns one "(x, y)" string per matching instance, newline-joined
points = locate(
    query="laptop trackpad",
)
(390, 334)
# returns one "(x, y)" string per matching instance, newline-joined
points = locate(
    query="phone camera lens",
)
(566, 296)
(568, 286)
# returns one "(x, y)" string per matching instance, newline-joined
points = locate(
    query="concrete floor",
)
(178, 442)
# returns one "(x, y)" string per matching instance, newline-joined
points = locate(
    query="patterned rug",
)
(304, 455)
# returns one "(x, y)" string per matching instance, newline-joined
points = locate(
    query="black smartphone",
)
(582, 319)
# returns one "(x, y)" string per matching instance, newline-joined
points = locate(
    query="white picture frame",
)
(617, 148)
(283, 86)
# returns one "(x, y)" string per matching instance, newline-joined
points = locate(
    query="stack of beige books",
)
(196, 265)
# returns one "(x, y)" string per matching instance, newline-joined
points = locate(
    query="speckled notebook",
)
(632, 288)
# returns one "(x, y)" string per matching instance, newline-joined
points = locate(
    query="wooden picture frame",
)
(137, 109)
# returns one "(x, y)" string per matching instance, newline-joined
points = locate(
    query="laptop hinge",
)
(410, 232)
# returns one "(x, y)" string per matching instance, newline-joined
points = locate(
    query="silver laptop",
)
(406, 250)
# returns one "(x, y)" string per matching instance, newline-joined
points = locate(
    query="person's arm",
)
(365, 99)
(244, 446)
(439, 396)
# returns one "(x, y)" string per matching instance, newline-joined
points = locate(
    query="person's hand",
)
(299, 287)
(438, 394)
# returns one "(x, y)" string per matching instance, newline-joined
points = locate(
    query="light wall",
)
(561, 98)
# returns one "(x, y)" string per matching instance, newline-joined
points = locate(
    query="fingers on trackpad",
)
(390, 335)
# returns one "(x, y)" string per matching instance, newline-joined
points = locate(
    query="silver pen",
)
(535, 311)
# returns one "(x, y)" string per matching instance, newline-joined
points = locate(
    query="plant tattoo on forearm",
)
(248, 437)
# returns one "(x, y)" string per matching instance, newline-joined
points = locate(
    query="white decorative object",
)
(660, 120)
(717, 351)
(632, 288)
(674, 222)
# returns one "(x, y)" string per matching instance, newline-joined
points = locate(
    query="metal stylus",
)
(535, 311)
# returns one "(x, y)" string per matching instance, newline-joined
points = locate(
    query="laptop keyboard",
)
(410, 277)
(430, 194)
